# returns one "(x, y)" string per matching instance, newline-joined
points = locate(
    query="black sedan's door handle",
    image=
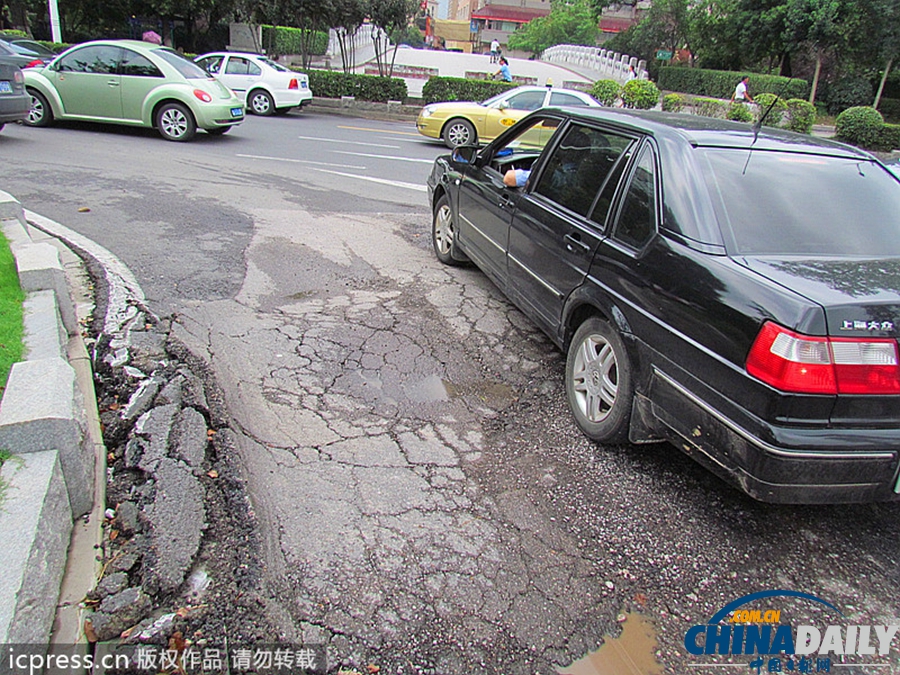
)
(575, 245)
(505, 201)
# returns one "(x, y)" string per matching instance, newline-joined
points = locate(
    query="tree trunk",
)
(887, 71)
(815, 82)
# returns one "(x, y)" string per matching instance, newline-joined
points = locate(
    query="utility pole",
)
(55, 30)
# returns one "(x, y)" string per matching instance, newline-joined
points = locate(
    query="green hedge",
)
(673, 103)
(335, 84)
(890, 108)
(775, 106)
(606, 91)
(801, 115)
(640, 94)
(859, 125)
(439, 89)
(278, 40)
(889, 138)
(721, 83)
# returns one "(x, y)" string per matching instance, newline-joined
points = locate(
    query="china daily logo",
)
(736, 630)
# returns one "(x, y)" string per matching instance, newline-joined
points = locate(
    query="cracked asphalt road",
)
(425, 501)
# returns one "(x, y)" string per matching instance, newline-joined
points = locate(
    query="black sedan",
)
(733, 291)
(14, 100)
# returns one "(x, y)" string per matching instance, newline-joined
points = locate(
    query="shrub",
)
(890, 108)
(721, 83)
(709, 107)
(860, 125)
(673, 102)
(775, 114)
(460, 89)
(849, 91)
(739, 113)
(801, 115)
(889, 138)
(278, 40)
(640, 94)
(334, 84)
(606, 91)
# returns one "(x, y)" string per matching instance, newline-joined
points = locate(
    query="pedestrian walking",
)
(503, 73)
(740, 91)
(495, 50)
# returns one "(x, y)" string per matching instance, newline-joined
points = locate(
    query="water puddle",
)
(632, 653)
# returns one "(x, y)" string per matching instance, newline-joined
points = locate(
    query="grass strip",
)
(12, 329)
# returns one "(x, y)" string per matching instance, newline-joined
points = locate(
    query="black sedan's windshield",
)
(782, 203)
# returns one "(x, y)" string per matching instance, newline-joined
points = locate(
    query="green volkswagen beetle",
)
(133, 83)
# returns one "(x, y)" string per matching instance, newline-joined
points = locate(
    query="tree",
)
(569, 22)
(389, 17)
(346, 16)
(823, 25)
(881, 36)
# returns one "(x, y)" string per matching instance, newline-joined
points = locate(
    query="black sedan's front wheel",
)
(175, 122)
(443, 232)
(40, 114)
(598, 382)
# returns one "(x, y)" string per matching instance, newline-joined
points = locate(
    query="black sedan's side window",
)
(102, 59)
(637, 217)
(579, 167)
(135, 64)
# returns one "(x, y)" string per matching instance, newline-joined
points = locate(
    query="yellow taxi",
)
(466, 123)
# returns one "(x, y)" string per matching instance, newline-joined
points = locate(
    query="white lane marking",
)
(399, 159)
(334, 140)
(301, 161)
(383, 181)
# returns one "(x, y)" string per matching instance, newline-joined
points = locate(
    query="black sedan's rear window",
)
(792, 203)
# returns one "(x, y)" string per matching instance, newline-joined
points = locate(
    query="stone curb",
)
(50, 480)
(392, 111)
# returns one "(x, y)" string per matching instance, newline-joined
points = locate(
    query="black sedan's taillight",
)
(792, 362)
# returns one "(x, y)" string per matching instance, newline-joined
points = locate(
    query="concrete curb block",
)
(50, 479)
(35, 528)
(41, 410)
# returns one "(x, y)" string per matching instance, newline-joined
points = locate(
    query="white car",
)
(266, 87)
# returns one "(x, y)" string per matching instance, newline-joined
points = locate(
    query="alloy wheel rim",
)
(595, 378)
(174, 123)
(36, 112)
(260, 104)
(443, 230)
(459, 134)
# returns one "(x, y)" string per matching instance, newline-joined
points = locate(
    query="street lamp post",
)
(55, 30)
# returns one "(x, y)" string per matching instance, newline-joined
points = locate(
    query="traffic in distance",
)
(728, 289)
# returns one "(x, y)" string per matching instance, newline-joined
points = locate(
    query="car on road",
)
(732, 290)
(20, 57)
(38, 53)
(14, 100)
(267, 87)
(466, 123)
(132, 83)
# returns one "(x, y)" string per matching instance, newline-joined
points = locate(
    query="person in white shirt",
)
(740, 91)
(495, 50)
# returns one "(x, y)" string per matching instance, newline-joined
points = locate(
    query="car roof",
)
(700, 131)
(247, 54)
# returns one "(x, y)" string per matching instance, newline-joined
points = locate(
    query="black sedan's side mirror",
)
(465, 154)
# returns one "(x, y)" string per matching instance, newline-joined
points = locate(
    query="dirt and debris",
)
(180, 555)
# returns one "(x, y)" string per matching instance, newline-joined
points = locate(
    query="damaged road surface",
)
(389, 468)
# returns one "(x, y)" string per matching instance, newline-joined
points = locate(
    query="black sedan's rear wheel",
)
(459, 132)
(40, 114)
(443, 232)
(598, 382)
(175, 122)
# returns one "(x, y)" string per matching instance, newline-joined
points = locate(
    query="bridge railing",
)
(599, 64)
